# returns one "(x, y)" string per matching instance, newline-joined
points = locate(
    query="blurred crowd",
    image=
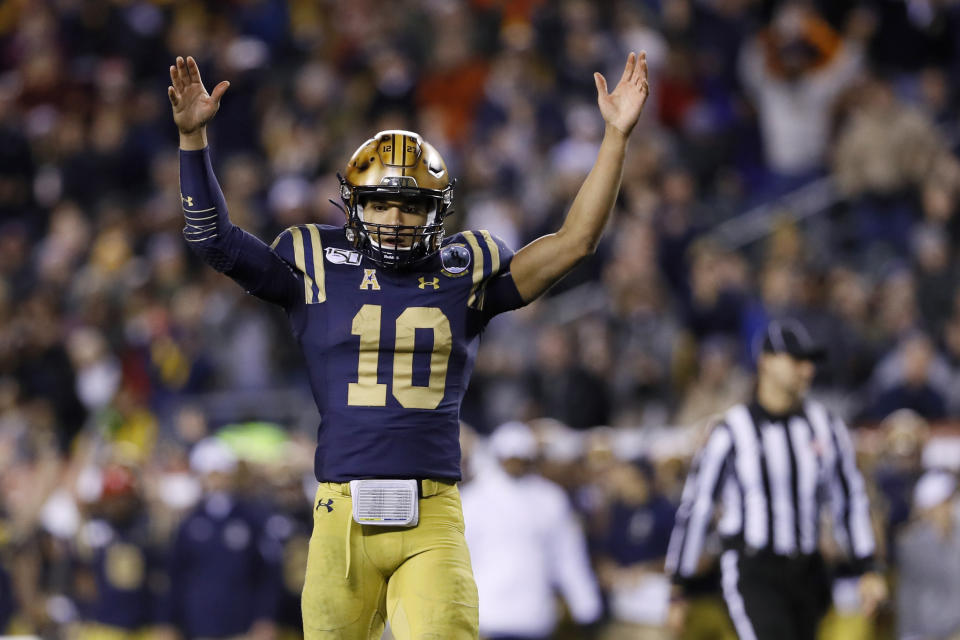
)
(120, 353)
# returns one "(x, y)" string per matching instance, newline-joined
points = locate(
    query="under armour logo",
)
(187, 200)
(433, 282)
(328, 504)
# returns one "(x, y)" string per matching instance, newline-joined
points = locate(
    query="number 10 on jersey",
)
(367, 392)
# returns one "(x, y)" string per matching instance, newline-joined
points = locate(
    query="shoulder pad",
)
(489, 255)
(302, 248)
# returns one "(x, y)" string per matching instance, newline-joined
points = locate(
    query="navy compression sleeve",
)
(224, 246)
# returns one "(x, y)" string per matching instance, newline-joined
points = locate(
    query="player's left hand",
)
(163, 632)
(621, 109)
(873, 592)
(263, 630)
(676, 617)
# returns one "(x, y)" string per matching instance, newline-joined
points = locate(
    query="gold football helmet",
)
(397, 163)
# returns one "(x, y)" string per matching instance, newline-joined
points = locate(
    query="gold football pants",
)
(96, 631)
(418, 578)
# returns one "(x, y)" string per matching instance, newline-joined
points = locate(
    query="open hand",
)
(873, 592)
(621, 109)
(676, 617)
(193, 107)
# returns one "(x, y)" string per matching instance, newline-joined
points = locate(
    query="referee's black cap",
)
(790, 337)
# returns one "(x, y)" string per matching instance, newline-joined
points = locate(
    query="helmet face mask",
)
(396, 167)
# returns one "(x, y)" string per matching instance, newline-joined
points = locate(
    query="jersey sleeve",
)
(224, 246)
(697, 504)
(853, 528)
(493, 290)
(301, 248)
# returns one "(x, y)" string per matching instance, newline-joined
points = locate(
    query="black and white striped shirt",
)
(772, 475)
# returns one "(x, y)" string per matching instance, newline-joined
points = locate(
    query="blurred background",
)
(794, 159)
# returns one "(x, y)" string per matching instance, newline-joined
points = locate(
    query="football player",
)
(388, 313)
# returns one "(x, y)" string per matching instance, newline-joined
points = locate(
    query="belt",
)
(426, 487)
(766, 553)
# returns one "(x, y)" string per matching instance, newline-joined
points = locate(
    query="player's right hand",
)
(193, 107)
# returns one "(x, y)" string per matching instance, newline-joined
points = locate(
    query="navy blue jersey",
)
(639, 533)
(292, 531)
(124, 565)
(389, 353)
(224, 570)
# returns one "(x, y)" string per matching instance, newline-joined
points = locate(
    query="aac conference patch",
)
(455, 259)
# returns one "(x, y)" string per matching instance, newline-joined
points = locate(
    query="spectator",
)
(118, 550)
(223, 565)
(632, 551)
(884, 153)
(528, 546)
(290, 524)
(643, 325)
(561, 387)
(716, 304)
(720, 382)
(793, 71)
(951, 341)
(778, 285)
(899, 466)
(914, 385)
(937, 274)
(929, 560)
(885, 147)
(850, 328)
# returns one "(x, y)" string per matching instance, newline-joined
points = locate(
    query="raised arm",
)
(208, 230)
(540, 264)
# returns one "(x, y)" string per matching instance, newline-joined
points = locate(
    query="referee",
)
(773, 464)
